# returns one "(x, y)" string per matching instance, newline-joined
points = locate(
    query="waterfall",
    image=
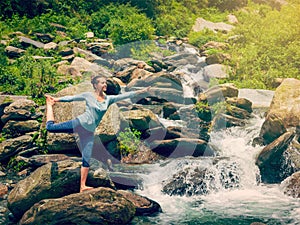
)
(243, 201)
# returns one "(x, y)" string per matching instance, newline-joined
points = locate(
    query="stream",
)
(243, 203)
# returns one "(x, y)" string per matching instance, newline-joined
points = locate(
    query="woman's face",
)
(101, 84)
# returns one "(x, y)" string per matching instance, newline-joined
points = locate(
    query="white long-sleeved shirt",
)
(95, 110)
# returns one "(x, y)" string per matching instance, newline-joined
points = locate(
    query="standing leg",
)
(84, 171)
(86, 139)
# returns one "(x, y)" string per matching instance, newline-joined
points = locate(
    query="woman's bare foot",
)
(49, 100)
(85, 188)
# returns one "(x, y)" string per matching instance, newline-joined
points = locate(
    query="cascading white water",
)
(248, 202)
(231, 189)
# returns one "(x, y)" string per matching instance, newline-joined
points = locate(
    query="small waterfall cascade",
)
(229, 192)
(220, 190)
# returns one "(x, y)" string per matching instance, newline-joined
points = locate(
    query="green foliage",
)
(2, 138)
(144, 50)
(202, 37)
(15, 165)
(40, 140)
(76, 29)
(27, 76)
(213, 14)
(202, 107)
(224, 5)
(219, 107)
(122, 23)
(129, 141)
(267, 47)
(172, 19)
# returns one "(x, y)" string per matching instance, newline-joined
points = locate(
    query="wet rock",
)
(98, 206)
(242, 103)
(191, 180)
(270, 158)
(181, 147)
(126, 181)
(181, 59)
(260, 99)
(221, 121)
(143, 205)
(272, 128)
(37, 161)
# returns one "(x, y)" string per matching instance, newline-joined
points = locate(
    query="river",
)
(246, 202)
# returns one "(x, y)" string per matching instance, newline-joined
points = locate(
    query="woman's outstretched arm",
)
(79, 97)
(130, 94)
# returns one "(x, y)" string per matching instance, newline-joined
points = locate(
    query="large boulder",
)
(111, 124)
(181, 59)
(202, 180)
(166, 87)
(141, 119)
(63, 111)
(284, 110)
(202, 24)
(52, 180)
(260, 98)
(215, 71)
(84, 66)
(270, 159)
(143, 205)
(180, 147)
(99, 206)
(218, 93)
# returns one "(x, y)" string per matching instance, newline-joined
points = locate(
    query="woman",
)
(97, 103)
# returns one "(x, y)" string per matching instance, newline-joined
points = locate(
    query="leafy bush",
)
(27, 76)
(172, 19)
(129, 141)
(202, 37)
(224, 5)
(121, 23)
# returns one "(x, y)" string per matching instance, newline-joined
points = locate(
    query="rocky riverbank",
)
(45, 188)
